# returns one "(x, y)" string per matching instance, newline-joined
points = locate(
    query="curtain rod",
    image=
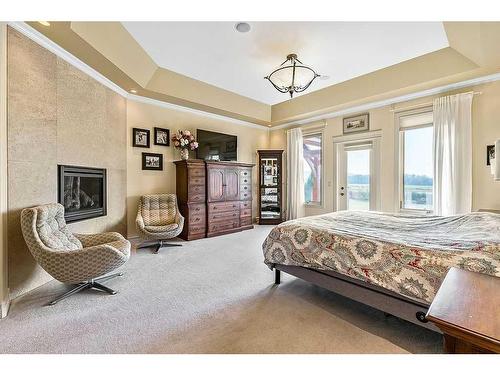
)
(424, 104)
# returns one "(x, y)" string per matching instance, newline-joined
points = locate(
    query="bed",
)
(394, 263)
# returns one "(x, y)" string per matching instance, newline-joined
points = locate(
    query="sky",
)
(418, 151)
(418, 155)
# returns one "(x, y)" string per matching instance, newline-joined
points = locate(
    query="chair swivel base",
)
(92, 284)
(157, 245)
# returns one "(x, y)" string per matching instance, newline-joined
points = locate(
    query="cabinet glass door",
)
(269, 189)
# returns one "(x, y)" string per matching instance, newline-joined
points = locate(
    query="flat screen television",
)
(216, 146)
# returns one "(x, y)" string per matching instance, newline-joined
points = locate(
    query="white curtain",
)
(453, 154)
(295, 174)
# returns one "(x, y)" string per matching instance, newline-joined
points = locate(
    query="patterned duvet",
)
(405, 254)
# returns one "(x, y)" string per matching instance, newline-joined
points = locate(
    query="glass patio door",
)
(356, 177)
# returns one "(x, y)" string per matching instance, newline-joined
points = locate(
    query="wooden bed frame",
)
(368, 294)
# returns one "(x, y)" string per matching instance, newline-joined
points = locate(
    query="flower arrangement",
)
(184, 141)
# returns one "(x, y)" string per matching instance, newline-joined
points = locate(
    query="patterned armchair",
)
(158, 218)
(72, 258)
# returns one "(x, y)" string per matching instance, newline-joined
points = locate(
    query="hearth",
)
(82, 192)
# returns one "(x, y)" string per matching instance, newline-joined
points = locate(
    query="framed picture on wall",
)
(162, 136)
(359, 123)
(490, 153)
(140, 137)
(152, 162)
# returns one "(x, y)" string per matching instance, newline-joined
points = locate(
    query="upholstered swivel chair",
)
(81, 259)
(159, 219)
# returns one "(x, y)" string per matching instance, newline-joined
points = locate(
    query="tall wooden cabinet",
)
(270, 186)
(191, 197)
(226, 191)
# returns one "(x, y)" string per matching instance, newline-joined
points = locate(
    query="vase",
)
(184, 154)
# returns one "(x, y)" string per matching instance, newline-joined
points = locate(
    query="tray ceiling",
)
(215, 53)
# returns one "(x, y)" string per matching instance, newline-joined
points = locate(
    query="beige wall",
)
(57, 115)
(147, 116)
(485, 113)
(4, 291)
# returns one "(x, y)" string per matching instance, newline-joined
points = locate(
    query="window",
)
(312, 168)
(416, 161)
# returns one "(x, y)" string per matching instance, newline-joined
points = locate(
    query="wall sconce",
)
(493, 152)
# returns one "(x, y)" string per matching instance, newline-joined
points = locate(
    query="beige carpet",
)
(210, 296)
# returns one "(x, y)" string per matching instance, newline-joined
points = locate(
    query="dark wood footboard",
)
(371, 295)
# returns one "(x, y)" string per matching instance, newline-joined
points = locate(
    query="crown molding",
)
(57, 50)
(48, 44)
(159, 103)
(394, 100)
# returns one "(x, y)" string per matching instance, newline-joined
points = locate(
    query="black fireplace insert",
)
(82, 192)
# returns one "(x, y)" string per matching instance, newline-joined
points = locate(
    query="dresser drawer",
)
(197, 219)
(196, 172)
(246, 212)
(196, 229)
(245, 180)
(245, 188)
(197, 209)
(245, 195)
(196, 189)
(197, 181)
(196, 197)
(246, 221)
(223, 215)
(245, 204)
(245, 173)
(223, 206)
(224, 225)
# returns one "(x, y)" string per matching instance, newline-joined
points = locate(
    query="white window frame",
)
(399, 154)
(306, 134)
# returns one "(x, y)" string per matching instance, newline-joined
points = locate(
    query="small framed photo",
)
(360, 123)
(152, 162)
(140, 137)
(162, 137)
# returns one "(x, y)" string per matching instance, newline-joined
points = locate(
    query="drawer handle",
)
(198, 209)
(420, 315)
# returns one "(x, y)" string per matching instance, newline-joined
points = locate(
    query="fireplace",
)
(82, 192)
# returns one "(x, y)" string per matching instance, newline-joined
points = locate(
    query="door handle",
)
(342, 194)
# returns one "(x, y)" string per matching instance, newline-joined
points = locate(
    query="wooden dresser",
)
(214, 197)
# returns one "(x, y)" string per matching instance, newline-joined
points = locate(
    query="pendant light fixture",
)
(292, 76)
